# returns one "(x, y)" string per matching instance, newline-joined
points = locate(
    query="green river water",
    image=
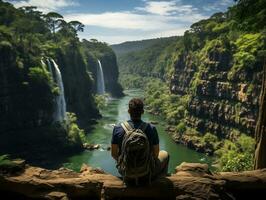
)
(115, 112)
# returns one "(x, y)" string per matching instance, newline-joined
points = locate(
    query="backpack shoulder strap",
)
(143, 126)
(126, 126)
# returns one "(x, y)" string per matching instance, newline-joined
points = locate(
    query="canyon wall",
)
(218, 103)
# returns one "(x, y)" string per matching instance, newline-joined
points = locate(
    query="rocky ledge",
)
(190, 181)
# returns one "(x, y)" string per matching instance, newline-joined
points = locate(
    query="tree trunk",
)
(260, 133)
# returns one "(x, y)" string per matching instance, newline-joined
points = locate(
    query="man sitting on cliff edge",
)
(135, 147)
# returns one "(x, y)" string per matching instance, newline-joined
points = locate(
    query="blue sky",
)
(116, 21)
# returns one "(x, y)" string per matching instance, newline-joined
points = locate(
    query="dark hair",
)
(135, 107)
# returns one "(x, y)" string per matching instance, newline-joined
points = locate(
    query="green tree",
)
(77, 26)
(53, 20)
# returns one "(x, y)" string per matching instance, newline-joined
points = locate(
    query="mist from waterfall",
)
(100, 79)
(60, 111)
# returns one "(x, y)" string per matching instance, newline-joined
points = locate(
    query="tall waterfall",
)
(100, 79)
(50, 68)
(60, 111)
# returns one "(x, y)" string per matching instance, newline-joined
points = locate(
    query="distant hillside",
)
(131, 46)
(149, 61)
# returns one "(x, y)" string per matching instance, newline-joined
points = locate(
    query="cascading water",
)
(100, 79)
(60, 113)
(43, 64)
(50, 68)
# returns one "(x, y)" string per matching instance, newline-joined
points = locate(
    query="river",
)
(115, 112)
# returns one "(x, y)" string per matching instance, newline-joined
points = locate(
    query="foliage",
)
(159, 100)
(130, 81)
(250, 15)
(238, 155)
(246, 55)
(150, 61)
(181, 127)
(101, 101)
(210, 141)
(4, 160)
(40, 80)
(75, 134)
(133, 46)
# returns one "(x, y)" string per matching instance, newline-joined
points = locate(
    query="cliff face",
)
(219, 102)
(94, 51)
(27, 100)
(111, 73)
(22, 103)
(78, 84)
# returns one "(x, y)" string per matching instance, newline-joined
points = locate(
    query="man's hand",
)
(156, 149)
(114, 151)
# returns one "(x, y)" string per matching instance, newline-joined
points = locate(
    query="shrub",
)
(181, 127)
(210, 141)
(75, 134)
(237, 156)
(100, 100)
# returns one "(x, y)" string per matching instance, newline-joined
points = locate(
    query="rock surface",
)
(191, 181)
(218, 103)
(91, 146)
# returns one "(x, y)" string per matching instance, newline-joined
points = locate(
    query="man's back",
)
(150, 131)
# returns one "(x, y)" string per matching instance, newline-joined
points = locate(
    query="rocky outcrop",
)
(190, 181)
(183, 74)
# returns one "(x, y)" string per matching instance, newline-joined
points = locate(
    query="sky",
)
(116, 21)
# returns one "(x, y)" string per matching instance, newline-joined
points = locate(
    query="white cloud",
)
(173, 7)
(44, 5)
(123, 20)
(217, 5)
(171, 32)
(159, 7)
(130, 20)
(154, 15)
(154, 19)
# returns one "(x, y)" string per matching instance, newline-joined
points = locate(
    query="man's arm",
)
(155, 142)
(156, 150)
(114, 151)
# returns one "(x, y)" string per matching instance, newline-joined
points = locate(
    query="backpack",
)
(136, 159)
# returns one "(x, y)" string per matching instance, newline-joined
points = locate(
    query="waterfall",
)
(50, 68)
(100, 79)
(43, 64)
(60, 113)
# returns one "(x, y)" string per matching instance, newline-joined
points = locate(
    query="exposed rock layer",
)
(218, 103)
(191, 181)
